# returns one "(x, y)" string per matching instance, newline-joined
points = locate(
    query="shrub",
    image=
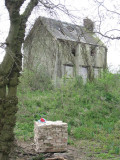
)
(36, 79)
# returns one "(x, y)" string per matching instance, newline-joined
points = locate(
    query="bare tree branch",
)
(102, 15)
(3, 45)
(48, 4)
(112, 37)
(16, 4)
(108, 10)
(29, 9)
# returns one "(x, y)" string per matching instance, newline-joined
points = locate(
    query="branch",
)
(108, 10)
(48, 4)
(112, 37)
(29, 9)
(14, 4)
(52, 7)
(13, 7)
(3, 45)
(109, 37)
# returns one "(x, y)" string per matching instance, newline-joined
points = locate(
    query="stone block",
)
(50, 136)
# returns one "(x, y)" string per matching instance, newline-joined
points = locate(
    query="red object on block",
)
(42, 119)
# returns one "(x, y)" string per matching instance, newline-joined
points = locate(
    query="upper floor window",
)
(93, 50)
(73, 51)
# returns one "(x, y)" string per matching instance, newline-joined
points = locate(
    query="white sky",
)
(80, 9)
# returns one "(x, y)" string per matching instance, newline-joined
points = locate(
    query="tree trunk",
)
(90, 73)
(4, 157)
(9, 73)
(8, 109)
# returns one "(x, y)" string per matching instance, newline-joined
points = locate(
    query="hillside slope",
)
(92, 112)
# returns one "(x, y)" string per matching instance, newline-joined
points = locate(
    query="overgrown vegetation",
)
(92, 112)
(36, 79)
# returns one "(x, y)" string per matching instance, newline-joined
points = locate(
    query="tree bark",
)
(9, 73)
(8, 108)
(3, 157)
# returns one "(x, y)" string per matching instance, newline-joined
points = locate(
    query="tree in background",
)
(108, 16)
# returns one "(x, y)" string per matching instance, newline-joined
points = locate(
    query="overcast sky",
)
(80, 9)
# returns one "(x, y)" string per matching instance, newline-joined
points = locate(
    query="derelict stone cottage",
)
(65, 49)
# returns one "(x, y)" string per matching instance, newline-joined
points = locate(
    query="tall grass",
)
(92, 110)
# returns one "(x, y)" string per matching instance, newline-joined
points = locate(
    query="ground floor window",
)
(68, 70)
(83, 73)
(96, 72)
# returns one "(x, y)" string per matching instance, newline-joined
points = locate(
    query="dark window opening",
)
(93, 51)
(73, 51)
(70, 28)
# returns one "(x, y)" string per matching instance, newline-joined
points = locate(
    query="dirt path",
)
(25, 151)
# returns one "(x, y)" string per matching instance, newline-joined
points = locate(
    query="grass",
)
(92, 112)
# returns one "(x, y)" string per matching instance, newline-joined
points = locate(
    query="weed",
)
(91, 110)
(39, 157)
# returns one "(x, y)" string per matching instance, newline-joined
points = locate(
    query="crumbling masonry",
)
(50, 136)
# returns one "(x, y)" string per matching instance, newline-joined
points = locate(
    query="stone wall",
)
(62, 58)
(40, 50)
(50, 136)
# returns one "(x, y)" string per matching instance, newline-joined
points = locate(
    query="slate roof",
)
(71, 32)
(67, 31)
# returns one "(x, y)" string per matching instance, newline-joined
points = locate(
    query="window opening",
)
(93, 50)
(73, 51)
(70, 28)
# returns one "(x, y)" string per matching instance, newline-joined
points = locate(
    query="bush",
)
(37, 79)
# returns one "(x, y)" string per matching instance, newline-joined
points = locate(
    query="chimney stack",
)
(88, 24)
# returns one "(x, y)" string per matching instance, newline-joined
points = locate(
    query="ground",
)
(25, 151)
(92, 112)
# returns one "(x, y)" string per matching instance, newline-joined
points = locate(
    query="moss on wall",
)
(41, 48)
